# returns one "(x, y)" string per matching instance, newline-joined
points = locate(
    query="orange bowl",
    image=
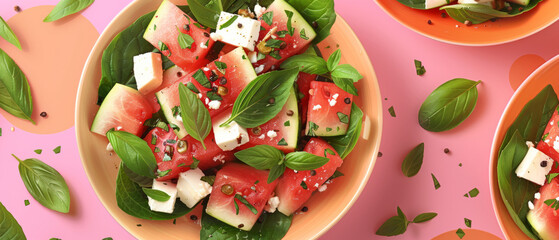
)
(544, 75)
(325, 209)
(489, 33)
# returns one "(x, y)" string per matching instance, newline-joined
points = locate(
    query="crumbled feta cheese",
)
(332, 102)
(259, 10)
(295, 171)
(556, 143)
(109, 147)
(118, 128)
(259, 69)
(242, 32)
(530, 144)
(335, 96)
(214, 104)
(537, 195)
(206, 69)
(200, 95)
(262, 136)
(322, 188)
(219, 158)
(207, 101)
(231, 136)
(167, 206)
(179, 118)
(530, 205)
(557, 198)
(551, 123)
(216, 36)
(316, 107)
(272, 134)
(203, 45)
(148, 72)
(316, 185)
(253, 57)
(294, 45)
(533, 168)
(272, 204)
(191, 189)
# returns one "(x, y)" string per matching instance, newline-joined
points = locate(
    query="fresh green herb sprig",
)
(419, 68)
(399, 224)
(185, 40)
(266, 157)
(7, 33)
(413, 161)
(344, 76)
(67, 7)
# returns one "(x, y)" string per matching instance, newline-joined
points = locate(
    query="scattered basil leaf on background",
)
(448, 105)
(320, 11)
(67, 7)
(460, 233)
(7, 33)
(419, 68)
(424, 217)
(56, 150)
(26, 202)
(156, 195)
(15, 94)
(252, 107)
(132, 200)
(10, 228)
(473, 193)
(345, 144)
(413, 161)
(38, 151)
(134, 152)
(391, 111)
(468, 222)
(45, 184)
(273, 226)
(435, 182)
(195, 116)
(399, 224)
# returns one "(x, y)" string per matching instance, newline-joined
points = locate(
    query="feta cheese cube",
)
(148, 71)
(535, 166)
(272, 204)
(167, 206)
(242, 32)
(191, 189)
(231, 136)
(482, 2)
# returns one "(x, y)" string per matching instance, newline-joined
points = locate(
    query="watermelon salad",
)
(231, 107)
(528, 167)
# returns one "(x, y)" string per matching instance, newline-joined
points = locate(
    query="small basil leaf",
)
(206, 11)
(392, 227)
(273, 226)
(417, 4)
(435, 181)
(195, 116)
(185, 40)
(67, 7)
(448, 105)
(424, 217)
(347, 71)
(468, 222)
(276, 172)
(290, 28)
(137, 178)
(419, 68)
(320, 11)
(45, 184)
(261, 157)
(209, 179)
(413, 161)
(132, 200)
(302, 161)
(334, 60)
(306, 63)
(252, 107)
(401, 213)
(345, 84)
(229, 22)
(478, 13)
(345, 144)
(246, 203)
(7, 33)
(15, 95)
(156, 195)
(134, 152)
(9, 226)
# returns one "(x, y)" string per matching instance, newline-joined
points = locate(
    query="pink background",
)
(392, 49)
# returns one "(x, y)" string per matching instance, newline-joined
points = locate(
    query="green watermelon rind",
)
(297, 21)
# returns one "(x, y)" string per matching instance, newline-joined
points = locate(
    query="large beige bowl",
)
(325, 209)
(544, 75)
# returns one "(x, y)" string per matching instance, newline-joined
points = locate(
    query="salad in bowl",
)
(229, 106)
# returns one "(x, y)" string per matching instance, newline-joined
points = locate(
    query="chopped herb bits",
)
(419, 68)
(435, 182)
(391, 111)
(468, 222)
(460, 233)
(26, 202)
(57, 150)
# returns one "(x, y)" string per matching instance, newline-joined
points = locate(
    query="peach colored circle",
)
(471, 234)
(522, 68)
(52, 58)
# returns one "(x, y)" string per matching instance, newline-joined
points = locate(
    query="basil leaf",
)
(435, 181)
(334, 60)
(195, 116)
(276, 172)
(67, 7)
(478, 13)
(134, 152)
(246, 203)
(273, 226)
(7, 33)
(137, 178)
(132, 200)
(267, 18)
(229, 22)
(9, 227)
(320, 11)
(413, 161)
(306, 63)
(347, 71)
(468, 222)
(345, 84)
(45, 184)
(515, 191)
(252, 107)
(201, 78)
(392, 227)
(209, 179)
(345, 144)
(419, 68)
(302, 161)
(156, 195)
(290, 28)
(185, 40)
(15, 95)
(533, 118)
(401, 213)
(417, 4)
(448, 105)
(261, 157)
(460, 233)
(206, 11)
(424, 217)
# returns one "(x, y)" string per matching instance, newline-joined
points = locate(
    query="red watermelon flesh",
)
(163, 32)
(304, 85)
(329, 110)
(543, 218)
(290, 190)
(247, 182)
(210, 157)
(170, 162)
(170, 76)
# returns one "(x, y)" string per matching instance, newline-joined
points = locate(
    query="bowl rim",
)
(493, 181)
(486, 44)
(376, 135)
